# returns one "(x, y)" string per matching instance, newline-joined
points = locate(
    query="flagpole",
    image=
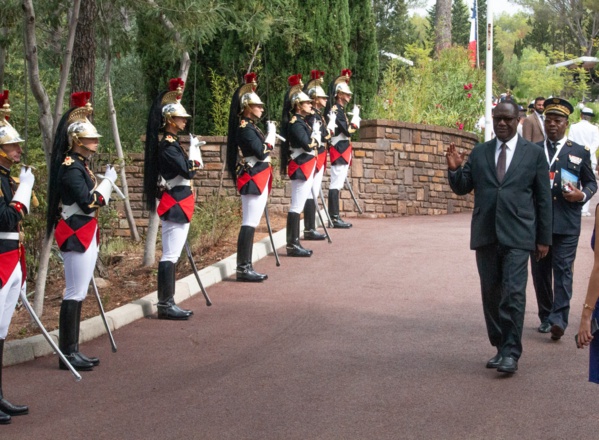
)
(476, 23)
(489, 73)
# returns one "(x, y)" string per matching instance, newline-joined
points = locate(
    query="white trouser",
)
(173, 240)
(338, 176)
(300, 190)
(252, 208)
(9, 295)
(79, 270)
(316, 183)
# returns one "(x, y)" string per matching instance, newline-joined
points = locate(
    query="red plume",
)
(4, 98)
(321, 74)
(294, 80)
(79, 99)
(346, 72)
(250, 78)
(314, 74)
(174, 83)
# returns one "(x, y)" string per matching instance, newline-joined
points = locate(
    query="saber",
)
(272, 240)
(115, 187)
(320, 216)
(47, 336)
(112, 343)
(353, 196)
(195, 272)
(326, 211)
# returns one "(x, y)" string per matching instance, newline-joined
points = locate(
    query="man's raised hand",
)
(454, 158)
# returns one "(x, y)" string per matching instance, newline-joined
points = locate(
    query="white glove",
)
(316, 134)
(355, 120)
(271, 133)
(110, 174)
(195, 153)
(23, 193)
(331, 126)
(105, 187)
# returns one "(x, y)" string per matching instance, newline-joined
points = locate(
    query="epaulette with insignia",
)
(68, 161)
(293, 120)
(569, 143)
(587, 148)
(169, 138)
(334, 108)
(243, 123)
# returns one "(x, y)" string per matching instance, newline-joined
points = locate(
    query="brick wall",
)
(398, 169)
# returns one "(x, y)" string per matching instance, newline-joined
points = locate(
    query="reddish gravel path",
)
(389, 345)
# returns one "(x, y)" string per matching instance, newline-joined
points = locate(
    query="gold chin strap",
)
(4, 155)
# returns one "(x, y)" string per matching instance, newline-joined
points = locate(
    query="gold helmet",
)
(171, 101)
(8, 135)
(79, 126)
(342, 82)
(247, 92)
(314, 87)
(296, 94)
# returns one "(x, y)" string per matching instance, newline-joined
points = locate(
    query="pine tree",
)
(363, 59)
(460, 23)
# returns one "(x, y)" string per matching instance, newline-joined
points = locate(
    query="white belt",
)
(339, 137)
(9, 236)
(295, 152)
(177, 181)
(74, 209)
(253, 160)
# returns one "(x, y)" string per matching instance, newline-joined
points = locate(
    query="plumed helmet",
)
(342, 82)
(247, 92)
(314, 87)
(171, 101)
(8, 135)
(78, 124)
(296, 94)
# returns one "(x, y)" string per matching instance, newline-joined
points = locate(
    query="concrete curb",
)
(24, 350)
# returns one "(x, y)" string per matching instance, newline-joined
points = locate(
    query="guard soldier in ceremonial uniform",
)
(14, 204)
(319, 101)
(73, 183)
(168, 172)
(298, 158)
(572, 183)
(252, 172)
(341, 148)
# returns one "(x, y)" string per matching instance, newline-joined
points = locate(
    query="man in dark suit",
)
(533, 129)
(511, 218)
(572, 183)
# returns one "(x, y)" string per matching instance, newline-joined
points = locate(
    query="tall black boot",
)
(166, 291)
(7, 409)
(294, 248)
(310, 232)
(172, 300)
(92, 360)
(245, 244)
(334, 210)
(68, 336)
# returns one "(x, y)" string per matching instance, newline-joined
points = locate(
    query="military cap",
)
(558, 106)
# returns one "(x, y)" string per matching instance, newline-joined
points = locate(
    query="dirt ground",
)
(126, 281)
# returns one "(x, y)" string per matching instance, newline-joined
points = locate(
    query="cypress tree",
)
(363, 57)
(460, 23)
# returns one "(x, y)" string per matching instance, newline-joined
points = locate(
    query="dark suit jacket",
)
(515, 213)
(576, 159)
(532, 130)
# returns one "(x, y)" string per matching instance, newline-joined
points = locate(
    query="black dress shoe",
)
(4, 418)
(545, 327)
(296, 250)
(13, 410)
(76, 362)
(508, 365)
(314, 235)
(245, 272)
(338, 223)
(172, 312)
(92, 360)
(556, 332)
(494, 361)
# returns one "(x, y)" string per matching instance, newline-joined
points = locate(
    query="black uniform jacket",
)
(343, 126)
(252, 180)
(576, 160)
(299, 132)
(10, 217)
(176, 203)
(76, 184)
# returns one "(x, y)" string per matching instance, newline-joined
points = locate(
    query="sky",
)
(499, 6)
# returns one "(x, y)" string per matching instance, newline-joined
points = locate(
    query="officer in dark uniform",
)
(248, 160)
(298, 158)
(168, 173)
(572, 183)
(74, 184)
(14, 204)
(319, 101)
(341, 148)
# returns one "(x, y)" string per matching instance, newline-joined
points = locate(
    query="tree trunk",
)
(3, 52)
(119, 148)
(443, 25)
(84, 50)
